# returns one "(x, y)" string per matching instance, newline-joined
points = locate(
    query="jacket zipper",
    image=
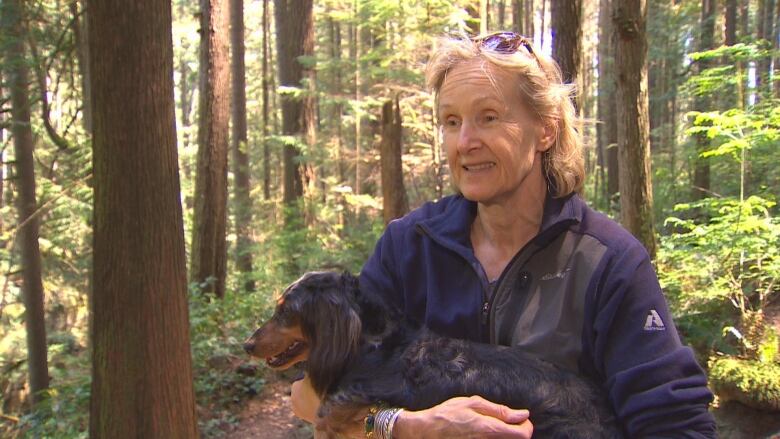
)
(487, 300)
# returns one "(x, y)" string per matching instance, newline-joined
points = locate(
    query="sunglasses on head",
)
(504, 42)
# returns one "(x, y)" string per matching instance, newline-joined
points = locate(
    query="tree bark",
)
(141, 366)
(501, 14)
(294, 27)
(394, 202)
(730, 23)
(80, 31)
(776, 46)
(32, 286)
(518, 16)
(544, 16)
(636, 194)
(607, 129)
(243, 203)
(765, 28)
(209, 252)
(701, 170)
(566, 18)
(266, 97)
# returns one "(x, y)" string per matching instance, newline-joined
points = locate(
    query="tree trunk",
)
(141, 366)
(607, 129)
(730, 22)
(209, 252)
(266, 97)
(32, 286)
(501, 14)
(529, 18)
(243, 203)
(484, 16)
(541, 31)
(82, 52)
(294, 27)
(394, 203)
(744, 31)
(701, 170)
(518, 17)
(636, 193)
(566, 18)
(765, 29)
(776, 46)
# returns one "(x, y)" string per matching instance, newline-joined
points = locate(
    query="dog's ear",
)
(334, 328)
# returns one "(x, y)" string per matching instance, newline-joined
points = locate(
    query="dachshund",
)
(360, 351)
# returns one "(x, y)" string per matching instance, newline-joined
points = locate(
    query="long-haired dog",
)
(360, 351)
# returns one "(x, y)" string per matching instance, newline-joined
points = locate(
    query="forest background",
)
(301, 128)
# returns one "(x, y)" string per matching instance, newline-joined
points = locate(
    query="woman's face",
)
(493, 144)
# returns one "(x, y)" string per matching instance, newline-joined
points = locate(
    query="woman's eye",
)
(451, 122)
(490, 117)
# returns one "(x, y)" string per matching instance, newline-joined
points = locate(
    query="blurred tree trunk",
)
(636, 193)
(566, 18)
(243, 204)
(542, 28)
(335, 40)
(518, 17)
(701, 170)
(776, 46)
(607, 129)
(501, 14)
(730, 39)
(32, 287)
(209, 250)
(394, 202)
(484, 16)
(529, 18)
(744, 32)
(294, 27)
(356, 52)
(141, 364)
(765, 32)
(79, 29)
(266, 98)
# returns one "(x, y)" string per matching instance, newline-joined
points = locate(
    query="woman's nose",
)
(468, 138)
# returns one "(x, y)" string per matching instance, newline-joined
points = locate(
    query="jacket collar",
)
(451, 228)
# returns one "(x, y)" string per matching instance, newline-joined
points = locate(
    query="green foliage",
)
(722, 262)
(754, 383)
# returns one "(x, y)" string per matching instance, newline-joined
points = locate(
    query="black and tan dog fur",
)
(360, 351)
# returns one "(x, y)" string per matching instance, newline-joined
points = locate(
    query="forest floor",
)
(269, 415)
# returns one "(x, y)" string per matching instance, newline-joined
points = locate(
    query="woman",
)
(517, 258)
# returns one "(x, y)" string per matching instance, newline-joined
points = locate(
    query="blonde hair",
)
(541, 85)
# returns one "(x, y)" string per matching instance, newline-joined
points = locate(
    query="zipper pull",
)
(485, 312)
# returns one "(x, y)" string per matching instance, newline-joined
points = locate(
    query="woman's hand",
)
(472, 417)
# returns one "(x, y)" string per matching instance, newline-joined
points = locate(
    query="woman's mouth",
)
(479, 166)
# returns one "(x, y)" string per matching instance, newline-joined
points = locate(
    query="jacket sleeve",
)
(380, 273)
(654, 382)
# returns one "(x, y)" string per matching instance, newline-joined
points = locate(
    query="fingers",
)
(498, 411)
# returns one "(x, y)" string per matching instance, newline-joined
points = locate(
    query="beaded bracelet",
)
(370, 421)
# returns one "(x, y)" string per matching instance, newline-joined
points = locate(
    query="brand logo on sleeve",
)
(557, 275)
(654, 322)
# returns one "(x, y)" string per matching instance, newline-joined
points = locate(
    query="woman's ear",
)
(546, 135)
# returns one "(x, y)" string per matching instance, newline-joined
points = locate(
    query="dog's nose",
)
(249, 347)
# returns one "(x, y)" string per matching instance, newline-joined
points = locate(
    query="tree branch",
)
(41, 72)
